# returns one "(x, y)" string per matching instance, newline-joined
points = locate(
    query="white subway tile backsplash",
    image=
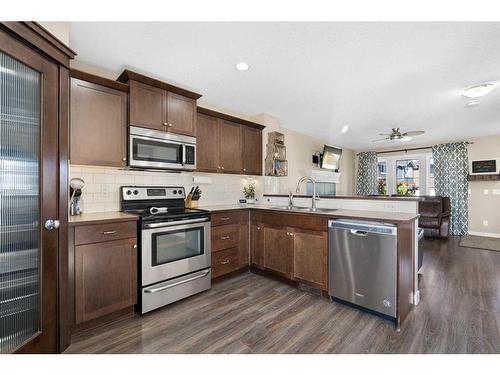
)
(102, 189)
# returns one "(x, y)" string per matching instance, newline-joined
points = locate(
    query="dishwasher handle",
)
(360, 233)
(363, 227)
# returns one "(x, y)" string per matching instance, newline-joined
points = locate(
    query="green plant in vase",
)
(249, 192)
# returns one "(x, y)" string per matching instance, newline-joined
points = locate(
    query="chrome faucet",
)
(290, 200)
(314, 197)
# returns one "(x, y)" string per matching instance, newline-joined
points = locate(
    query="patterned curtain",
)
(367, 173)
(451, 165)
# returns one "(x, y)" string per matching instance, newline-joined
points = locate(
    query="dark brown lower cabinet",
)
(105, 278)
(277, 254)
(310, 257)
(290, 251)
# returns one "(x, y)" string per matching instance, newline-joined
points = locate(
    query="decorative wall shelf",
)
(484, 177)
(276, 163)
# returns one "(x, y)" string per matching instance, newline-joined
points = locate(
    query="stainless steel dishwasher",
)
(362, 264)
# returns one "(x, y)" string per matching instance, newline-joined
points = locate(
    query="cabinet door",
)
(277, 250)
(252, 150)
(181, 113)
(105, 278)
(310, 257)
(244, 244)
(148, 106)
(29, 175)
(230, 147)
(257, 245)
(98, 125)
(207, 144)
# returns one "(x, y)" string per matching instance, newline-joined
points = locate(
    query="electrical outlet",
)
(496, 191)
(485, 223)
(486, 191)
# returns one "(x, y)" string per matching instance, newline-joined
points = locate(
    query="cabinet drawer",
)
(225, 261)
(105, 232)
(225, 237)
(225, 218)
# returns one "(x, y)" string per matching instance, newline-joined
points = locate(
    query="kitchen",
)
(182, 226)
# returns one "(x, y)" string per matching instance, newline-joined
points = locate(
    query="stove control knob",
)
(180, 191)
(175, 191)
(129, 192)
(136, 192)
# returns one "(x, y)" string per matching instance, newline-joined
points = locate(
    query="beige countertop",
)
(352, 214)
(100, 217)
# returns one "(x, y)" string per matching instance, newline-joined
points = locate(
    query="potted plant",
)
(249, 192)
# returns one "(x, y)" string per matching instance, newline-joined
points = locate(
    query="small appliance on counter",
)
(174, 244)
(75, 190)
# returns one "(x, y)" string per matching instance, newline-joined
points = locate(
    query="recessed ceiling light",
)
(242, 66)
(344, 129)
(473, 103)
(478, 90)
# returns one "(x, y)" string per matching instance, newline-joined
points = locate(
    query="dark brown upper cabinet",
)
(227, 144)
(158, 105)
(252, 150)
(98, 121)
(207, 144)
(230, 152)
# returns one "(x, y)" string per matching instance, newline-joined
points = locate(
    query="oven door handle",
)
(173, 223)
(159, 289)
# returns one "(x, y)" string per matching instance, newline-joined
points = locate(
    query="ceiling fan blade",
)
(383, 139)
(413, 133)
(387, 134)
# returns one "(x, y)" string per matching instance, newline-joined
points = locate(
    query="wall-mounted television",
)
(330, 159)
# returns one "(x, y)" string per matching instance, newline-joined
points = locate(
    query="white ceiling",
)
(318, 77)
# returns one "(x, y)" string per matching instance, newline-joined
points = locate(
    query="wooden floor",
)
(459, 312)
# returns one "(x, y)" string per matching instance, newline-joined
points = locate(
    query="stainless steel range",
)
(174, 244)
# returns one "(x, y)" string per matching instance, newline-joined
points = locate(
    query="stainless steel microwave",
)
(153, 149)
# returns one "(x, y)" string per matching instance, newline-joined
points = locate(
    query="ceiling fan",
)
(397, 136)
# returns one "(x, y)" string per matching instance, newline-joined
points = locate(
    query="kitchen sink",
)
(302, 209)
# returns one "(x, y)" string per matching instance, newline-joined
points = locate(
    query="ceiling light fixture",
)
(242, 66)
(405, 138)
(344, 129)
(478, 90)
(473, 103)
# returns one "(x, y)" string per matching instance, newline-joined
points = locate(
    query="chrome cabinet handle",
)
(135, 246)
(51, 224)
(221, 167)
(224, 237)
(165, 124)
(170, 125)
(224, 218)
(258, 228)
(225, 262)
(124, 159)
(109, 232)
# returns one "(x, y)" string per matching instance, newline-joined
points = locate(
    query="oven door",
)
(148, 152)
(173, 249)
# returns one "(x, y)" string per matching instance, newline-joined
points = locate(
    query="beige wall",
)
(483, 203)
(59, 29)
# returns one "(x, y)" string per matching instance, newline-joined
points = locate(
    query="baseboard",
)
(485, 234)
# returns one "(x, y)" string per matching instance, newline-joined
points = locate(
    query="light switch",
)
(485, 223)
(496, 191)
(486, 191)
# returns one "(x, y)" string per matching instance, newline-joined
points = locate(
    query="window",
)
(431, 190)
(408, 177)
(382, 177)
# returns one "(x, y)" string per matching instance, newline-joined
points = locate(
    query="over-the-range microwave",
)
(486, 166)
(153, 149)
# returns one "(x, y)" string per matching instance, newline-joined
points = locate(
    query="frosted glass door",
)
(20, 124)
